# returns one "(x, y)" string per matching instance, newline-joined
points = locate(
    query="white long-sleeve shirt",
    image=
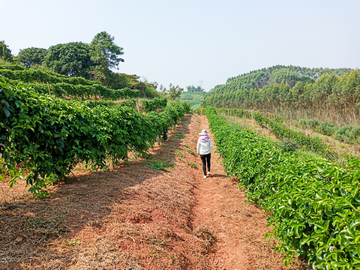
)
(204, 148)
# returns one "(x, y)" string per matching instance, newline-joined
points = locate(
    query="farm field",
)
(312, 201)
(339, 147)
(138, 217)
(99, 167)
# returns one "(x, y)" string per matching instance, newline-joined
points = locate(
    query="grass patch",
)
(179, 153)
(191, 164)
(73, 242)
(191, 152)
(159, 164)
(180, 136)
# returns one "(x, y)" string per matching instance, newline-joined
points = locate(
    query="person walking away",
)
(203, 148)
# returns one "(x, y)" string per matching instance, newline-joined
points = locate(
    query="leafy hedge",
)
(48, 136)
(101, 102)
(78, 90)
(39, 76)
(153, 104)
(314, 204)
(283, 132)
(12, 67)
(129, 103)
(348, 133)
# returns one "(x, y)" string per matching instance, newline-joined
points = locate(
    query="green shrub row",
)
(153, 104)
(79, 91)
(109, 103)
(283, 132)
(348, 133)
(280, 130)
(48, 136)
(101, 102)
(314, 204)
(129, 103)
(12, 67)
(39, 76)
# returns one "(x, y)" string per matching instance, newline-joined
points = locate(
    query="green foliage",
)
(104, 51)
(330, 96)
(32, 56)
(49, 136)
(238, 113)
(77, 87)
(191, 164)
(10, 66)
(283, 132)
(288, 146)
(71, 59)
(191, 152)
(327, 128)
(199, 111)
(5, 52)
(77, 59)
(129, 103)
(91, 61)
(73, 242)
(39, 76)
(153, 104)
(180, 135)
(309, 123)
(349, 134)
(193, 89)
(159, 164)
(173, 93)
(179, 153)
(95, 103)
(314, 204)
(258, 79)
(194, 98)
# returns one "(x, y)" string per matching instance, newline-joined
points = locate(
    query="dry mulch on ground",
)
(136, 216)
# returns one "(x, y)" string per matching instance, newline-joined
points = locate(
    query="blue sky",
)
(194, 42)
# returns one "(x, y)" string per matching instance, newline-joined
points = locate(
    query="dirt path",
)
(158, 213)
(239, 227)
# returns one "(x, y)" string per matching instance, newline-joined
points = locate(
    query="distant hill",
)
(290, 75)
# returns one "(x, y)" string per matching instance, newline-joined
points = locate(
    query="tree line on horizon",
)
(331, 97)
(275, 75)
(94, 61)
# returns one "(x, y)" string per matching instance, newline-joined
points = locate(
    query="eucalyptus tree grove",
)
(330, 98)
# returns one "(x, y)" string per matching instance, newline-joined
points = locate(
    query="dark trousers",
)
(206, 159)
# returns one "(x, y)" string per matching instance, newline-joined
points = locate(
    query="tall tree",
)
(5, 52)
(32, 56)
(105, 52)
(72, 59)
(175, 91)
